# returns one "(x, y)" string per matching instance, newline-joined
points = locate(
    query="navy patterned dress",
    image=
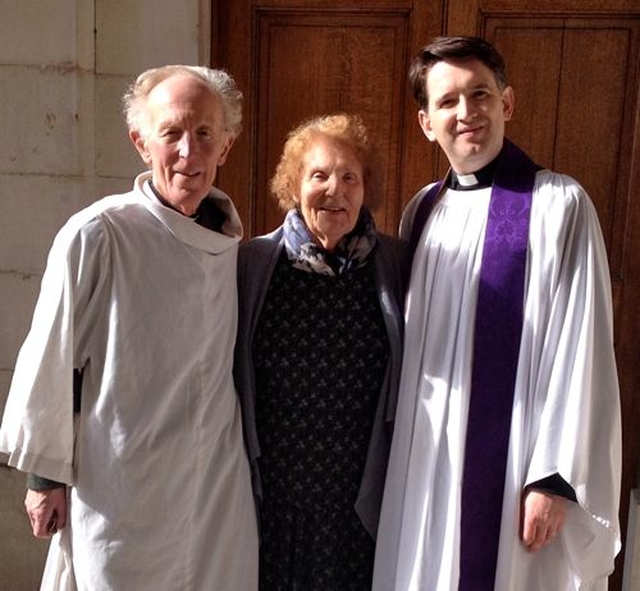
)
(320, 351)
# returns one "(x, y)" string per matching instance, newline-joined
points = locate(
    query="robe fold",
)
(566, 409)
(143, 300)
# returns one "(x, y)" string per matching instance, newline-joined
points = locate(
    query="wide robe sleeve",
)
(38, 424)
(572, 408)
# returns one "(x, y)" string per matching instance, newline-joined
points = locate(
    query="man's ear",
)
(425, 124)
(139, 142)
(508, 103)
(226, 149)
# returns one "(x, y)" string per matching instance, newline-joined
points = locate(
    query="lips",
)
(332, 210)
(471, 128)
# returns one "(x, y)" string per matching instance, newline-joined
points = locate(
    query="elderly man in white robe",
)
(504, 472)
(122, 404)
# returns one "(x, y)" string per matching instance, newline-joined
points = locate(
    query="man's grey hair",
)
(219, 81)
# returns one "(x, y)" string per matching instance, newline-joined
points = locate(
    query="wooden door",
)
(294, 60)
(574, 68)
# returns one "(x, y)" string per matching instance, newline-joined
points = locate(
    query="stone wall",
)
(63, 68)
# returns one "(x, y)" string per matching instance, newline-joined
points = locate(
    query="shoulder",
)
(557, 195)
(390, 247)
(256, 260)
(103, 206)
(563, 215)
(262, 245)
(89, 223)
(257, 256)
(558, 187)
(409, 213)
(83, 242)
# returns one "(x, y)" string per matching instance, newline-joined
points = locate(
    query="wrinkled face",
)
(331, 190)
(184, 140)
(466, 113)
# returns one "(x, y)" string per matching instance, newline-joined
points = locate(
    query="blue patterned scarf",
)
(351, 252)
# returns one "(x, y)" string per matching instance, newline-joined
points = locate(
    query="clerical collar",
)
(481, 179)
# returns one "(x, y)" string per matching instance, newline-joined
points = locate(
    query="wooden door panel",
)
(536, 88)
(294, 60)
(589, 128)
(316, 64)
(467, 17)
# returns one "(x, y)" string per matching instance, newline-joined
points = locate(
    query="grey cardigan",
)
(256, 262)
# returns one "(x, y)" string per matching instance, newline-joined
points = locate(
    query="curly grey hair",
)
(219, 81)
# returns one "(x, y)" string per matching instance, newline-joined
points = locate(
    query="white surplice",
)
(144, 299)
(566, 410)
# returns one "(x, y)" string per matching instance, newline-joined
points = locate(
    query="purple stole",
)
(497, 333)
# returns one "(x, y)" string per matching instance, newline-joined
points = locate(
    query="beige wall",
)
(63, 68)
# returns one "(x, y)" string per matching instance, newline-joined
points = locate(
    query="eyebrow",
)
(448, 94)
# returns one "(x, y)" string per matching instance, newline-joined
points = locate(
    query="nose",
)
(466, 109)
(332, 185)
(185, 145)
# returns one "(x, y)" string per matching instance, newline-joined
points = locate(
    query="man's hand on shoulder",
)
(47, 510)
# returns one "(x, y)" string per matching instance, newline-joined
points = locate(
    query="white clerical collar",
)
(467, 180)
(479, 179)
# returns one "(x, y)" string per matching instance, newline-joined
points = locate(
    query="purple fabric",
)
(498, 328)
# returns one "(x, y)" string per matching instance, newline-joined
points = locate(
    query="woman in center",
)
(318, 360)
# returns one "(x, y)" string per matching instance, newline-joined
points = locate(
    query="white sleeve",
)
(38, 425)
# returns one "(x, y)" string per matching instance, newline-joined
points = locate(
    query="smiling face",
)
(331, 190)
(466, 113)
(184, 140)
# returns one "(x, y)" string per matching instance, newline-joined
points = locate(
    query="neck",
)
(186, 211)
(480, 179)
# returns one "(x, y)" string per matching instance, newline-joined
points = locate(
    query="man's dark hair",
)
(453, 48)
